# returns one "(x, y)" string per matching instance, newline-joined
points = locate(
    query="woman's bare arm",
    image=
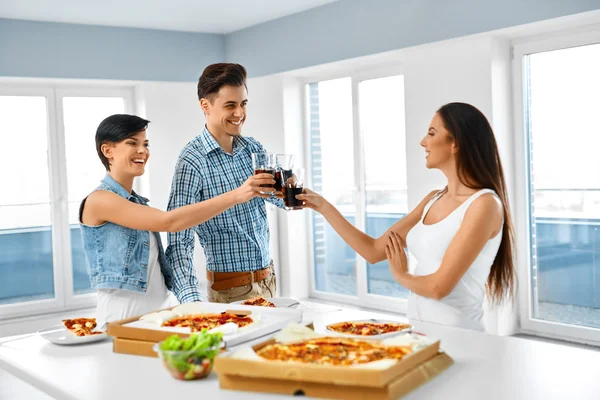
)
(371, 249)
(103, 206)
(482, 221)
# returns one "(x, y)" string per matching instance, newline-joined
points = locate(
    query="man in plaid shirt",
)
(235, 242)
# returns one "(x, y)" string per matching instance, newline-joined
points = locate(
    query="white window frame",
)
(363, 298)
(64, 298)
(522, 212)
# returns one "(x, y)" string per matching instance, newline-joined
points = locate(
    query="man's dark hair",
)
(115, 129)
(215, 76)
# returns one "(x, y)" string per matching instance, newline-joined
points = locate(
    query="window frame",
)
(522, 212)
(363, 298)
(64, 297)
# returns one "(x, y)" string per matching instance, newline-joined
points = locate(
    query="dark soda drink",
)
(266, 171)
(281, 176)
(289, 197)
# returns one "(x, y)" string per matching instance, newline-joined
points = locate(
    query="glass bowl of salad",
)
(190, 358)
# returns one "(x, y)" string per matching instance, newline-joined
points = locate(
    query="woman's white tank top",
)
(117, 304)
(463, 307)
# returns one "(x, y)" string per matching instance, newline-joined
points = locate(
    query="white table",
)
(486, 367)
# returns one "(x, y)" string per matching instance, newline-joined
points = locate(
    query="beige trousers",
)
(264, 288)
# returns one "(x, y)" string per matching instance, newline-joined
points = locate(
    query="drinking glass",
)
(264, 163)
(292, 186)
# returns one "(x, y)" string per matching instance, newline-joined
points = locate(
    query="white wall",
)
(504, 320)
(264, 116)
(264, 120)
(435, 75)
(294, 238)
(175, 119)
(275, 119)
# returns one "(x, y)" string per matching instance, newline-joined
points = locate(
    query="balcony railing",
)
(568, 262)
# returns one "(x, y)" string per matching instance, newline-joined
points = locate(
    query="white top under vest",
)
(117, 304)
(463, 307)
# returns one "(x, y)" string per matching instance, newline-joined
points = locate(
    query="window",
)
(50, 164)
(25, 213)
(357, 148)
(382, 131)
(333, 177)
(561, 289)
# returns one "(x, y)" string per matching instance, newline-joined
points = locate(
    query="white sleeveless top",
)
(463, 307)
(117, 304)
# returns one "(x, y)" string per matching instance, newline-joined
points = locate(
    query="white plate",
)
(280, 302)
(377, 337)
(58, 334)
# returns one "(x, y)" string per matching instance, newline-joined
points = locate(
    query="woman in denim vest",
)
(126, 261)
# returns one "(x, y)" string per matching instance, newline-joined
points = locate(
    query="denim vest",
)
(118, 256)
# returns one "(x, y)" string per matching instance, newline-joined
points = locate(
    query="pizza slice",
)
(198, 322)
(367, 328)
(258, 301)
(81, 326)
(332, 351)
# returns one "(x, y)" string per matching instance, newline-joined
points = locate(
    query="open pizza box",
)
(243, 369)
(137, 335)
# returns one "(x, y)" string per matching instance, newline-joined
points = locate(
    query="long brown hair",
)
(479, 167)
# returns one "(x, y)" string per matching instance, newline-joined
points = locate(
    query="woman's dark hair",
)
(479, 166)
(115, 129)
(215, 76)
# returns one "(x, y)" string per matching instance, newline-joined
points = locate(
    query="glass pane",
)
(332, 152)
(381, 101)
(565, 201)
(82, 115)
(26, 264)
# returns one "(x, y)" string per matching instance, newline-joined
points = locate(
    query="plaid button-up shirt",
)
(233, 241)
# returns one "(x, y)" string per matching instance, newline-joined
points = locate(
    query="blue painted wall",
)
(336, 31)
(354, 28)
(53, 50)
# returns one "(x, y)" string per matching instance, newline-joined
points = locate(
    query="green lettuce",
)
(200, 345)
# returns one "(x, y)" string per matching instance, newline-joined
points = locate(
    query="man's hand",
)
(252, 188)
(394, 250)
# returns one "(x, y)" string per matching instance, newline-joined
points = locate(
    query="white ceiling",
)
(211, 16)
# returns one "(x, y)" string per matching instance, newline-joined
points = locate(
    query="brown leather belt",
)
(230, 280)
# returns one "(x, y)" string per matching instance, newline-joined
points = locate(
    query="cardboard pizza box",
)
(338, 382)
(133, 337)
(395, 389)
(134, 347)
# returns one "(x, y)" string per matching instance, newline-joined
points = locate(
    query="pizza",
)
(332, 351)
(197, 322)
(258, 301)
(366, 328)
(81, 326)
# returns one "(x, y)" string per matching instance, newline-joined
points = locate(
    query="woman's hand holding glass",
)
(312, 200)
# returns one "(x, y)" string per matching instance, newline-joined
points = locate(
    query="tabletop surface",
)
(485, 366)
